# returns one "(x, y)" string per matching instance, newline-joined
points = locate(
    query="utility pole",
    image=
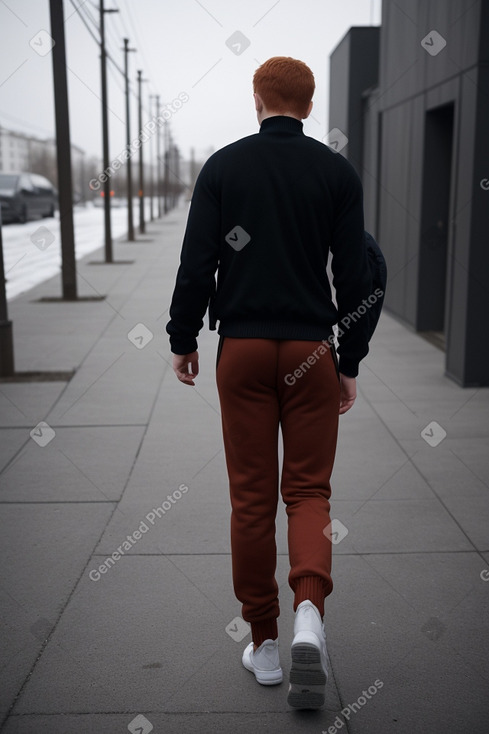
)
(6, 333)
(177, 175)
(158, 159)
(167, 139)
(151, 172)
(142, 227)
(63, 150)
(130, 223)
(193, 171)
(105, 132)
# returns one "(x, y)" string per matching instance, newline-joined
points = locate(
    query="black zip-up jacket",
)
(265, 212)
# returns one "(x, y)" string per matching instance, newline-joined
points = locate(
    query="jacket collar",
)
(281, 123)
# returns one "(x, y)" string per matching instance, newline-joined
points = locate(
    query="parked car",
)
(26, 196)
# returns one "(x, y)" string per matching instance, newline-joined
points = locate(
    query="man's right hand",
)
(348, 392)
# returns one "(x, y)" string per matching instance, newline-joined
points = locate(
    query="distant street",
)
(28, 263)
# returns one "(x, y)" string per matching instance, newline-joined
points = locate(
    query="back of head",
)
(285, 85)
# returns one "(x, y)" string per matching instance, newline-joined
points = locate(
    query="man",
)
(265, 212)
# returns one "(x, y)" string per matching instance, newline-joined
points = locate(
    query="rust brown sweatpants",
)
(265, 384)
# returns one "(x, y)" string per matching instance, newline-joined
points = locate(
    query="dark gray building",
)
(412, 97)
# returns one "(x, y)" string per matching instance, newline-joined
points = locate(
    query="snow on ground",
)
(32, 254)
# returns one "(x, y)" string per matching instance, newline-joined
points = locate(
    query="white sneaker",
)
(264, 663)
(309, 671)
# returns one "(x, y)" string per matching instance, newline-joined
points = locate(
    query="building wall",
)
(14, 151)
(402, 151)
(354, 67)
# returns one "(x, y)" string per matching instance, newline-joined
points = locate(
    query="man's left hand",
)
(186, 367)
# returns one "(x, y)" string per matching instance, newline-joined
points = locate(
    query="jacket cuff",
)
(348, 367)
(183, 346)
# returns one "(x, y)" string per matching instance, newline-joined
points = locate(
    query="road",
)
(32, 255)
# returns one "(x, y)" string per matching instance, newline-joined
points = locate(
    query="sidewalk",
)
(116, 590)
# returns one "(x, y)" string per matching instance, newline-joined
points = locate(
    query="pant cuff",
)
(312, 588)
(267, 629)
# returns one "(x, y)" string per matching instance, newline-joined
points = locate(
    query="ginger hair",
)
(284, 85)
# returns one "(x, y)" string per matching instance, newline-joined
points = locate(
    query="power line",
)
(86, 14)
(97, 40)
(138, 40)
(77, 9)
(90, 16)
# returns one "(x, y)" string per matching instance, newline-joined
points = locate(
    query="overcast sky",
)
(181, 48)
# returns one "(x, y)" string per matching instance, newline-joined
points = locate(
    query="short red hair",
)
(285, 85)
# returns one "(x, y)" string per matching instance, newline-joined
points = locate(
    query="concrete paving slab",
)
(359, 473)
(83, 463)
(451, 471)
(11, 441)
(409, 604)
(115, 389)
(459, 483)
(68, 332)
(21, 638)
(377, 526)
(405, 484)
(44, 549)
(25, 404)
(384, 610)
(450, 598)
(191, 521)
(169, 650)
(307, 722)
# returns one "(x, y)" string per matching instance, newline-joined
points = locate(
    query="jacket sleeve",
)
(195, 281)
(351, 273)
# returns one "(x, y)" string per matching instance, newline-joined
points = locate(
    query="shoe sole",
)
(307, 677)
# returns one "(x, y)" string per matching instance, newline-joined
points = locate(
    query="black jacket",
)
(265, 212)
